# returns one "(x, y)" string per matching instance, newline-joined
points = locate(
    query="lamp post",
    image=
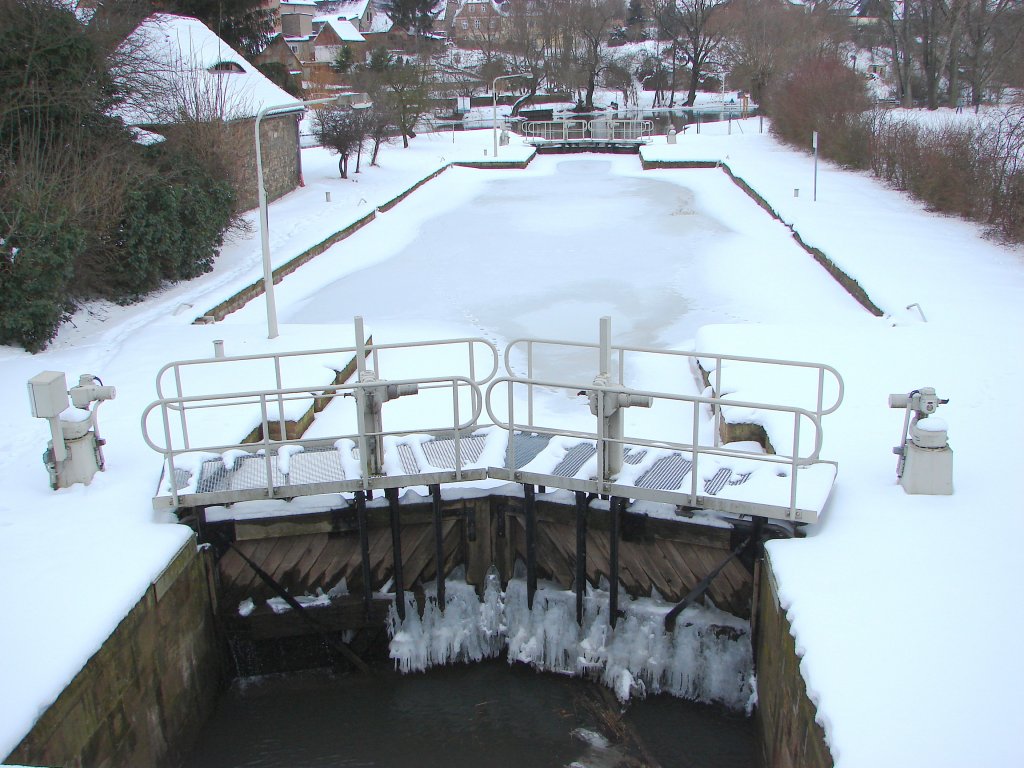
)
(494, 104)
(268, 269)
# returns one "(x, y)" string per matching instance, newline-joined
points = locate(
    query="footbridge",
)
(599, 135)
(599, 436)
(281, 474)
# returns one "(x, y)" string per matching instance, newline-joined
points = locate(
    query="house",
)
(279, 51)
(359, 12)
(334, 36)
(195, 81)
(476, 21)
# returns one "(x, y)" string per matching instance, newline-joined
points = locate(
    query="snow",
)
(902, 607)
(176, 53)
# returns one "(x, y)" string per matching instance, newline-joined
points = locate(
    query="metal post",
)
(261, 190)
(494, 105)
(616, 507)
(435, 495)
(581, 553)
(530, 513)
(814, 143)
(364, 551)
(396, 550)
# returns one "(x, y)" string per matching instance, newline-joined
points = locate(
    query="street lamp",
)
(494, 104)
(268, 269)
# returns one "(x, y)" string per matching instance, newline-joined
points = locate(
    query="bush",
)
(171, 227)
(823, 95)
(36, 270)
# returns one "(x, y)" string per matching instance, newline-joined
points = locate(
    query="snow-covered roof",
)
(380, 23)
(344, 29)
(179, 57)
(352, 9)
(304, 5)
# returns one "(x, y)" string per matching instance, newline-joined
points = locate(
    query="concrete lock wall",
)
(141, 699)
(789, 735)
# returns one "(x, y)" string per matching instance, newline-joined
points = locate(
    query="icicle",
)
(707, 658)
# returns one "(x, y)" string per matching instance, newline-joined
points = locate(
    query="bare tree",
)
(341, 130)
(767, 37)
(590, 22)
(529, 40)
(695, 30)
(992, 31)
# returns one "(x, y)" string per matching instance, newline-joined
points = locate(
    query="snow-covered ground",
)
(901, 605)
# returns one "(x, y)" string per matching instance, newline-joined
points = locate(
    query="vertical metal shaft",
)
(581, 553)
(364, 551)
(530, 512)
(396, 550)
(617, 504)
(435, 495)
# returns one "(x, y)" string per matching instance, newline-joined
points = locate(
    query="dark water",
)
(478, 715)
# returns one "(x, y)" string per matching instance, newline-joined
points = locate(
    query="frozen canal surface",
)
(549, 250)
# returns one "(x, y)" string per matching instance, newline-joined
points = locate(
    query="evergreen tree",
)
(414, 16)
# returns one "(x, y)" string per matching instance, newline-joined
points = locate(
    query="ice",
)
(707, 658)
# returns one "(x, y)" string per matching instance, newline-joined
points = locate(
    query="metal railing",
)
(276, 371)
(824, 379)
(603, 129)
(502, 390)
(366, 437)
(451, 407)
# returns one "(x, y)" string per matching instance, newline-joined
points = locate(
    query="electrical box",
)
(48, 394)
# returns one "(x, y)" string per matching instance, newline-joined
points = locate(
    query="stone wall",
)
(789, 735)
(279, 138)
(142, 698)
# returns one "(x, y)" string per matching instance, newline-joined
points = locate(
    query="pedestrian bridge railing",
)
(602, 129)
(624, 439)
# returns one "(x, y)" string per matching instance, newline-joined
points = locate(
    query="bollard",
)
(218, 348)
(327, 196)
(796, 193)
(671, 138)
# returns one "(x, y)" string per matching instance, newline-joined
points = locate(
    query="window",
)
(226, 67)
(476, 23)
(465, 24)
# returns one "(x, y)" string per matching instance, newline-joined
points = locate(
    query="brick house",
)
(197, 79)
(476, 20)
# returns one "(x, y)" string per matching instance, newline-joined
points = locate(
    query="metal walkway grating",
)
(441, 453)
(316, 465)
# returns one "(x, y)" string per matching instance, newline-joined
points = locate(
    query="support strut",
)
(582, 504)
(618, 504)
(435, 497)
(702, 585)
(396, 550)
(364, 551)
(530, 512)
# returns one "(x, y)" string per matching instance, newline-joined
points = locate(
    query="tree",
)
(246, 25)
(414, 16)
(992, 31)
(590, 22)
(85, 212)
(768, 37)
(398, 87)
(342, 130)
(529, 40)
(694, 31)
